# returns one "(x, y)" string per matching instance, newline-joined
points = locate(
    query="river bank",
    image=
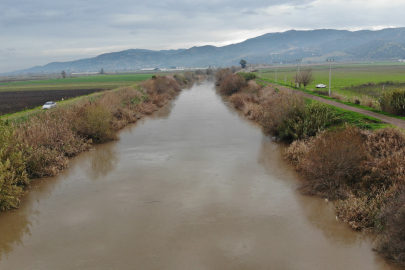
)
(42, 144)
(361, 170)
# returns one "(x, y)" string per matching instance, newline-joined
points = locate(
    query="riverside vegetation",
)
(369, 85)
(41, 144)
(360, 166)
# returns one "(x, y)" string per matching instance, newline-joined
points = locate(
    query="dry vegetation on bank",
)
(42, 144)
(365, 172)
(362, 170)
(280, 112)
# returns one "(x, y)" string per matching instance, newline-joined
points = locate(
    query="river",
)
(195, 186)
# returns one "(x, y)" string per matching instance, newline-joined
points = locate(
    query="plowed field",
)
(15, 101)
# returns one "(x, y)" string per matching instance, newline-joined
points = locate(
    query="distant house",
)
(150, 69)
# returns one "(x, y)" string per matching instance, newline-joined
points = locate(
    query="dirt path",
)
(387, 119)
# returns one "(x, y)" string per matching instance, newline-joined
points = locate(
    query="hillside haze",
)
(286, 47)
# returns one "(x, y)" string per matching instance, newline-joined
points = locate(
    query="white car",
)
(320, 86)
(49, 105)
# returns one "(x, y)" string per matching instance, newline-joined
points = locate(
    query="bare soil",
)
(16, 101)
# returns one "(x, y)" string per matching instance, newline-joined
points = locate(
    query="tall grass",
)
(42, 144)
(280, 113)
(393, 102)
(364, 171)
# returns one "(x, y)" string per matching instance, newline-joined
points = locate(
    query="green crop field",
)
(343, 75)
(87, 79)
(101, 82)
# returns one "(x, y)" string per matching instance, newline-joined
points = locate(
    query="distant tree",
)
(63, 73)
(199, 72)
(102, 71)
(243, 63)
(235, 68)
(306, 77)
(209, 71)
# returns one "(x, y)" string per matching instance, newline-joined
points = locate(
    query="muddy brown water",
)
(193, 187)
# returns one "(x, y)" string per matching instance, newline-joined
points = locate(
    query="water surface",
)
(194, 187)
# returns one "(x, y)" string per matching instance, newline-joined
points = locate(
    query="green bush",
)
(180, 79)
(305, 121)
(247, 76)
(393, 102)
(13, 176)
(94, 122)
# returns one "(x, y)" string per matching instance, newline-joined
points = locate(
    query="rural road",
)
(387, 119)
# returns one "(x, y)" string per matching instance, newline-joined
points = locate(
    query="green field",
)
(343, 75)
(85, 82)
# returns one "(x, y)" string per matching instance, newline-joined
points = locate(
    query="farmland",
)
(18, 96)
(343, 75)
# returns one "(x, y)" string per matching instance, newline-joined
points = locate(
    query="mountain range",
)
(287, 47)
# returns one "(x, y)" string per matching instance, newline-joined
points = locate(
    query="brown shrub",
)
(298, 150)
(337, 96)
(252, 87)
(163, 84)
(360, 211)
(48, 140)
(276, 107)
(232, 84)
(148, 86)
(386, 159)
(158, 99)
(221, 75)
(391, 244)
(147, 108)
(241, 98)
(94, 122)
(189, 76)
(333, 162)
(237, 100)
(267, 93)
(253, 111)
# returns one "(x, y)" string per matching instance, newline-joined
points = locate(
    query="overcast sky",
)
(38, 32)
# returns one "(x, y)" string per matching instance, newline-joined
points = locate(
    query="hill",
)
(286, 47)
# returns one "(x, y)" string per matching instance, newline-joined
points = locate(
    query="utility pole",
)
(298, 72)
(330, 72)
(275, 63)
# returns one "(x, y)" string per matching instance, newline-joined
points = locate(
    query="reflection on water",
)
(101, 160)
(12, 227)
(196, 188)
(96, 163)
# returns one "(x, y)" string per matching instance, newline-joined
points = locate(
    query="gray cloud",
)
(303, 8)
(44, 31)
